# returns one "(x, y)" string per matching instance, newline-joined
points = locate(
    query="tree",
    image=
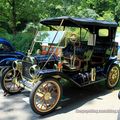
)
(19, 12)
(15, 14)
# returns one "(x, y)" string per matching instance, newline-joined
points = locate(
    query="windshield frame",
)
(52, 40)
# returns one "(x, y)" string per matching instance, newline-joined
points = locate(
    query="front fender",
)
(52, 73)
(7, 61)
(48, 72)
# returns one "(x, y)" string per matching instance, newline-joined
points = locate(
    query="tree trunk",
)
(14, 16)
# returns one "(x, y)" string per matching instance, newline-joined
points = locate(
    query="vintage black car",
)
(84, 57)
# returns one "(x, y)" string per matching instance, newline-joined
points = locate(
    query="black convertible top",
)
(77, 22)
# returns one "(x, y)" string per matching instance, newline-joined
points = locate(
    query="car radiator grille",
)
(25, 69)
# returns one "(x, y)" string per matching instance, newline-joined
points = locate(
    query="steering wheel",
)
(73, 38)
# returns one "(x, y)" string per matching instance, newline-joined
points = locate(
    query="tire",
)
(3, 69)
(7, 81)
(48, 99)
(119, 95)
(113, 76)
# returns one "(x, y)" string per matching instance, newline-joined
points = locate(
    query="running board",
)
(89, 83)
(97, 81)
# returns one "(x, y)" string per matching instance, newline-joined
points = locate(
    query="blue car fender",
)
(20, 54)
(7, 61)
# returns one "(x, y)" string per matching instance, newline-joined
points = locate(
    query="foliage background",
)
(19, 19)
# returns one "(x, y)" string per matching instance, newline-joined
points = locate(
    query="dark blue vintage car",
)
(84, 58)
(8, 53)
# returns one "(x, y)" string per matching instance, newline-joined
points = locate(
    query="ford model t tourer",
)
(84, 57)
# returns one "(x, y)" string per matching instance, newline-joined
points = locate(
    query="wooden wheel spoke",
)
(16, 86)
(40, 95)
(45, 104)
(40, 100)
(48, 102)
(42, 104)
(46, 87)
(13, 85)
(50, 89)
(53, 91)
(17, 74)
(8, 80)
(40, 92)
(10, 87)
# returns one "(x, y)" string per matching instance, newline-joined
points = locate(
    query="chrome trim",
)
(29, 59)
(17, 65)
(32, 71)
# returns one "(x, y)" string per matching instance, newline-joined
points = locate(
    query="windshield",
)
(49, 37)
(46, 38)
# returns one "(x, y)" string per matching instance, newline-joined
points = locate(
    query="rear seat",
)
(99, 53)
(82, 52)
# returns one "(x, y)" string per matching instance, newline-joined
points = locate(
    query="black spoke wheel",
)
(45, 96)
(7, 82)
(113, 76)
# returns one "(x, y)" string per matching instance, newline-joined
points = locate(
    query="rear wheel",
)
(113, 76)
(8, 81)
(119, 95)
(45, 96)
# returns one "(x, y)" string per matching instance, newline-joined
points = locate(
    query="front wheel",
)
(45, 96)
(113, 76)
(7, 82)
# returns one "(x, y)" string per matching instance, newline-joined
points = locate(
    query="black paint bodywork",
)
(99, 60)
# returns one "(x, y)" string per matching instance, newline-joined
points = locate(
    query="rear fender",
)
(107, 68)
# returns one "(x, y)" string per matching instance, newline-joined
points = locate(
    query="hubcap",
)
(47, 96)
